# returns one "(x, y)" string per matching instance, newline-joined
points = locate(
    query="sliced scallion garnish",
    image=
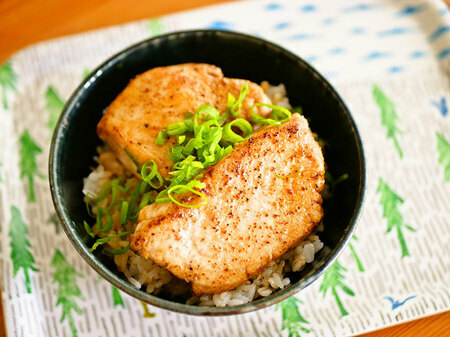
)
(123, 213)
(232, 137)
(279, 115)
(88, 229)
(104, 240)
(149, 177)
(161, 138)
(185, 188)
(236, 107)
(117, 251)
(109, 224)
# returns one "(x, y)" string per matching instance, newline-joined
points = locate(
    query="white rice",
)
(270, 280)
(144, 273)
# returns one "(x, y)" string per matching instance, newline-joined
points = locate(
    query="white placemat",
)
(388, 59)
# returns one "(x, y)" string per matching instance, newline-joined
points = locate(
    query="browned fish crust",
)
(263, 199)
(162, 96)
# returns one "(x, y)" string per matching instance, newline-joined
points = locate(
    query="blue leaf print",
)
(311, 58)
(219, 25)
(359, 8)
(376, 55)
(328, 21)
(358, 31)
(336, 51)
(417, 54)
(308, 8)
(396, 31)
(441, 30)
(395, 304)
(395, 69)
(302, 36)
(282, 25)
(443, 53)
(441, 105)
(273, 7)
(410, 10)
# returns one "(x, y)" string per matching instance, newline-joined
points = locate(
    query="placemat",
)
(389, 60)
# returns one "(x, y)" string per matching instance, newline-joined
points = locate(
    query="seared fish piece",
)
(162, 96)
(263, 198)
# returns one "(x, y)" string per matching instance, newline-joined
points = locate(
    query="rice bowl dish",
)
(144, 273)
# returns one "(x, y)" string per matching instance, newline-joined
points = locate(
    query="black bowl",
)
(240, 56)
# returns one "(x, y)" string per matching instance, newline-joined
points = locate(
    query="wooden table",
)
(25, 22)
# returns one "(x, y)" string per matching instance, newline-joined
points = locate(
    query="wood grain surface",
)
(23, 22)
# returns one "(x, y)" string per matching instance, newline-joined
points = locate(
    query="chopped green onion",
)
(230, 101)
(161, 138)
(181, 139)
(102, 241)
(186, 188)
(143, 187)
(265, 121)
(133, 199)
(341, 179)
(189, 147)
(123, 213)
(161, 199)
(224, 117)
(232, 137)
(104, 191)
(114, 193)
(189, 125)
(117, 251)
(109, 224)
(176, 153)
(127, 186)
(236, 107)
(88, 207)
(132, 158)
(88, 229)
(145, 200)
(177, 128)
(279, 115)
(205, 112)
(334, 182)
(154, 174)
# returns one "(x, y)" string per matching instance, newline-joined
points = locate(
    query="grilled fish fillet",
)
(253, 214)
(162, 96)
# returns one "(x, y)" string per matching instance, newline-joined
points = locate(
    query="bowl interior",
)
(75, 140)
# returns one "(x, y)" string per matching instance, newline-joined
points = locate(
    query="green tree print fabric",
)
(8, 82)
(355, 254)
(54, 105)
(390, 202)
(21, 255)
(333, 279)
(399, 100)
(68, 291)
(443, 148)
(155, 27)
(54, 220)
(292, 320)
(389, 117)
(117, 297)
(28, 166)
